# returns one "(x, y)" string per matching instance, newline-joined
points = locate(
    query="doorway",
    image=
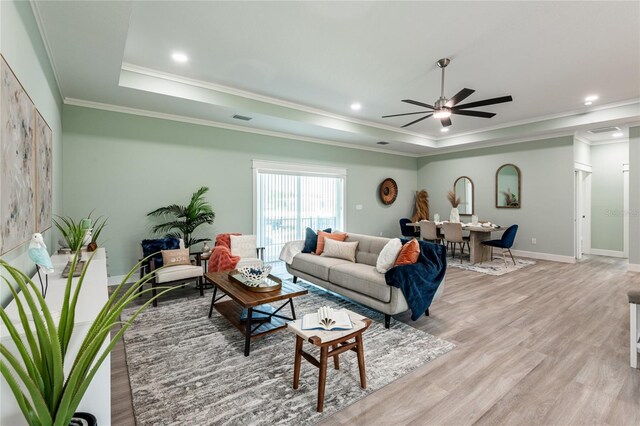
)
(583, 212)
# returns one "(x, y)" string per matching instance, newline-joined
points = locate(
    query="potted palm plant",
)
(36, 373)
(185, 219)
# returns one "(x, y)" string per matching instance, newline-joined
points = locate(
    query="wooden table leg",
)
(322, 380)
(336, 360)
(247, 333)
(296, 364)
(360, 352)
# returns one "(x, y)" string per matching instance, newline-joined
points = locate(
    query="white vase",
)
(454, 217)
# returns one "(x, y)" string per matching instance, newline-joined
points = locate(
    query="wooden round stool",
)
(331, 344)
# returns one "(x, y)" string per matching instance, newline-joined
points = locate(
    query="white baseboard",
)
(544, 256)
(610, 253)
(633, 267)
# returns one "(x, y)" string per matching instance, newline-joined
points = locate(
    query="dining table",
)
(477, 234)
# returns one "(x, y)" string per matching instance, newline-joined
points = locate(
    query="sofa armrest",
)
(290, 250)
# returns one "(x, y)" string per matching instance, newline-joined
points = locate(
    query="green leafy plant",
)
(36, 373)
(185, 218)
(98, 226)
(71, 231)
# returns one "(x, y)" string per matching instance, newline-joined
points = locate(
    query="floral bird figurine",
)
(39, 254)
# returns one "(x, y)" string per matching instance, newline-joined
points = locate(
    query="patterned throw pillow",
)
(311, 240)
(324, 235)
(388, 255)
(175, 257)
(340, 249)
(409, 254)
(243, 246)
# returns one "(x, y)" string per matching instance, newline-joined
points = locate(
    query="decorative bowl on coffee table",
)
(255, 275)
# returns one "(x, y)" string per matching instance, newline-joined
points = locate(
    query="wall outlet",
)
(533, 241)
(358, 206)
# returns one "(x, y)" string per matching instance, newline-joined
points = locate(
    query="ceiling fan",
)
(445, 107)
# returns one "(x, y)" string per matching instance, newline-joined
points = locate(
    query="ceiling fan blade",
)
(409, 101)
(419, 119)
(474, 113)
(446, 122)
(485, 102)
(408, 113)
(459, 97)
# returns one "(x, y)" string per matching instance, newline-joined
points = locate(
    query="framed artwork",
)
(17, 162)
(44, 184)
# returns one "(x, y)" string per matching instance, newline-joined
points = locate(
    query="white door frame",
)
(625, 209)
(582, 207)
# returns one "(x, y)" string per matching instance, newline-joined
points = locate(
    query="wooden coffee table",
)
(246, 299)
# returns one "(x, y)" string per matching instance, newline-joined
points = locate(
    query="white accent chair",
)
(453, 235)
(177, 274)
(246, 247)
(634, 332)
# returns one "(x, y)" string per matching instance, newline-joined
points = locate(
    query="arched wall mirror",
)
(463, 187)
(508, 193)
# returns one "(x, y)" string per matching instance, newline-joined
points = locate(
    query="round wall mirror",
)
(463, 188)
(508, 194)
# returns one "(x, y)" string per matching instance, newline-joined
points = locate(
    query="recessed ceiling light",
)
(591, 98)
(444, 129)
(588, 103)
(617, 134)
(179, 57)
(356, 106)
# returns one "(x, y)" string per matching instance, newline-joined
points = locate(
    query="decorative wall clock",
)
(388, 191)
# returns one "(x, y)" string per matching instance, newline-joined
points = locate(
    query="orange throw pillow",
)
(322, 235)
(409, 254)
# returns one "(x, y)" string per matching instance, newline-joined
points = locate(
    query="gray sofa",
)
(359, 281)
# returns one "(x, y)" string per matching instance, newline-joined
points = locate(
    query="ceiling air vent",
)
(242, 117)
(604, 130)
(382, 143)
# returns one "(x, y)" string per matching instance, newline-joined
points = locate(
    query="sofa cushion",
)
(368, 247)
(315, 265)
(311, 240)
(362, 278)
(340, 249)
(337, 236)
(409, 254)
(178, 272)
(388, 255)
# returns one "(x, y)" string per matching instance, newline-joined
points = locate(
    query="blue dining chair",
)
(408, 231)
(505, 243)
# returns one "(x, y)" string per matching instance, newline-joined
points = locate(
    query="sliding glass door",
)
(289, 201)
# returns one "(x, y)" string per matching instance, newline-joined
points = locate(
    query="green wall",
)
(124, 166)
(607, 196)
(24, 51)
(546, 189)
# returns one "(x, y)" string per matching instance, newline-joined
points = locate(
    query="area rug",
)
(186, 368)
(495, 267)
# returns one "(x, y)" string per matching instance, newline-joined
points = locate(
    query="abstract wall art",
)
(44, 183)
(17, 162)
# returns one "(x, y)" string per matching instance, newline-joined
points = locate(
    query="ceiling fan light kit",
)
(443, 108)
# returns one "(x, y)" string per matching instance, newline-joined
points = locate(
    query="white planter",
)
(454, 217)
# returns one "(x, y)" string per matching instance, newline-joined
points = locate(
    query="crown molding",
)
(262, 98)
(47, 47)
(583, 140)
(210, 123)
(543, 118)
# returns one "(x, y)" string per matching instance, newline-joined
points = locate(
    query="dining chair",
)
(408, 231)
(453, 235)
(429, 231)
(505, 243)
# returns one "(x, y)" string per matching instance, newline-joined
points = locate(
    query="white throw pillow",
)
(243, 245)
(388, 255)
(340, 249)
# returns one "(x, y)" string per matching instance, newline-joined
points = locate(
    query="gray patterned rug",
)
(496, 267)
(186, 368)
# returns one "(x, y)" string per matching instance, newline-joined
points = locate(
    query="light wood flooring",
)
(544, 345)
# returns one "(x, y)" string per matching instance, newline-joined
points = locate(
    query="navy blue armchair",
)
(408, 231)
(505, 243)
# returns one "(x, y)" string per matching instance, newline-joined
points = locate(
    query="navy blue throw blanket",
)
(420, 281)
